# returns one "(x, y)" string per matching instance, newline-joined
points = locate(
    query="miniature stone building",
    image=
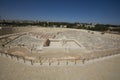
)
(46, 43)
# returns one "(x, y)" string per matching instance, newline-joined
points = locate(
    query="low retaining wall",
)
(51, 62)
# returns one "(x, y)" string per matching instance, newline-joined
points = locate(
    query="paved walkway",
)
(105, 69)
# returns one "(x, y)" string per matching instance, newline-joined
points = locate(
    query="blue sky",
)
(95, 11)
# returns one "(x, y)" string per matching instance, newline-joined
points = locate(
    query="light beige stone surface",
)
(106, 69)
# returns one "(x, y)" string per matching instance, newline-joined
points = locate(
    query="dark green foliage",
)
(97, 27)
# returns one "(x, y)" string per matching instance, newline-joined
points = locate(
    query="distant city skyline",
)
(83, 11)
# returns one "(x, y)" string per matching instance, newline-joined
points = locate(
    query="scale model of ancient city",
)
(56, 53)
(56, 46)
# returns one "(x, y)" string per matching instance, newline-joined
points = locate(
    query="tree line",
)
(75, 25)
